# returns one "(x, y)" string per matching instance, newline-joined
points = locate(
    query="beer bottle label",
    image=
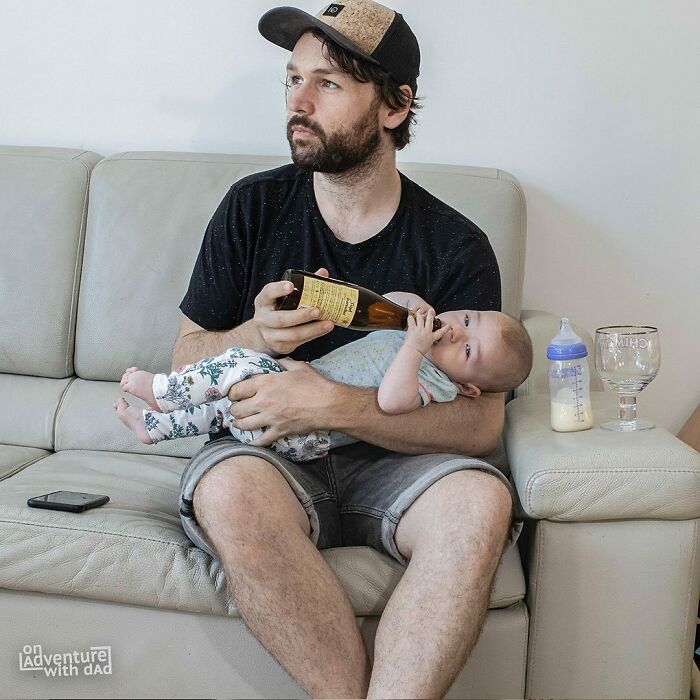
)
(335, 302)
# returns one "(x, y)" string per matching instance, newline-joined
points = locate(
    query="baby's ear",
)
(468, 389)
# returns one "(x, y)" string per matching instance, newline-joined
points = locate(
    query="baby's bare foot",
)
(139, 383)
(132, 417)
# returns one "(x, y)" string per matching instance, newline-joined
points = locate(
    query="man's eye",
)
(469, 351)
(466, 319)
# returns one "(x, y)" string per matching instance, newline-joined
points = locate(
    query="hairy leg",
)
(283, 589)
(454, 534)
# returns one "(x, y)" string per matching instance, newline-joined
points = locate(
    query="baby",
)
(473, 351)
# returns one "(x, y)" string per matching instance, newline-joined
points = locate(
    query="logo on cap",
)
(333, 10)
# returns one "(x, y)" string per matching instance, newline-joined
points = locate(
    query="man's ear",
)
(468, 389)
(394, 117)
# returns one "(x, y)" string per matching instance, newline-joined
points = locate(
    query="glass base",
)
(627, 426)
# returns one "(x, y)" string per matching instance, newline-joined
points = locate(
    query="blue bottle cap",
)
(566, 345)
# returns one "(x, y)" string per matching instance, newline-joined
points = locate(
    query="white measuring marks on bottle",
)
(569, 408)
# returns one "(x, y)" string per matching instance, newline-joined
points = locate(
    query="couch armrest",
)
(542, 327)
(598, 474)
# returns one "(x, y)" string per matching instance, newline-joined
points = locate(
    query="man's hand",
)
(288, 403)
(420, 335)
(284, 331)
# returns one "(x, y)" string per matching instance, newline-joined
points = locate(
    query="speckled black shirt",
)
(269, 221)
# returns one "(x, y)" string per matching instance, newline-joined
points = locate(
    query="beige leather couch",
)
(95, 255)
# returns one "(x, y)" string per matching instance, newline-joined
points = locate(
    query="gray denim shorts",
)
(355, 496)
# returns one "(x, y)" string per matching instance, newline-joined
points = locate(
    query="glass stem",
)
(628, 407)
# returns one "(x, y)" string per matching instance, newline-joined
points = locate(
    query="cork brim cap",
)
(285, 25)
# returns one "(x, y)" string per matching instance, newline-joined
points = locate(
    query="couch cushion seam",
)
(623, 470)
(530, 489)
(24, 465)
(96, 532)
(58, 410)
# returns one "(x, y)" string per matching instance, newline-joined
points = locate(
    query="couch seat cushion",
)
(14, 458)
(28, 411)
(133, 549)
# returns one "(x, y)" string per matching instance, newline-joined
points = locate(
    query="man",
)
(344, 209)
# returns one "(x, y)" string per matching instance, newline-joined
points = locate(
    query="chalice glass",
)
(627, 358)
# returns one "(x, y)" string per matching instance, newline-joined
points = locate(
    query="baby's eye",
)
(468, 350)
(466, 319)
(329, 83)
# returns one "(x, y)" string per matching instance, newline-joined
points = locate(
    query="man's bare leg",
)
(454, 534)
(283, 589)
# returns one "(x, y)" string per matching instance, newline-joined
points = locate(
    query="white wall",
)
(594, 106)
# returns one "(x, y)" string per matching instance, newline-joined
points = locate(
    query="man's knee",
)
(461, 508)
(244, 496)
(493, 497)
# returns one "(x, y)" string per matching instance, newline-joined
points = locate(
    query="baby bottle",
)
(569, 381)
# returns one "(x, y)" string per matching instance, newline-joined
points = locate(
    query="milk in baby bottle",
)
(569, 381)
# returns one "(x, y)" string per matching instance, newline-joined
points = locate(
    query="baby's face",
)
(471, 348)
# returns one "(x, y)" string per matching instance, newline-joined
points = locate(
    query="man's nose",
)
(299, 99)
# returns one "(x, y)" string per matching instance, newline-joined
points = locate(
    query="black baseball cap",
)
(365, 28)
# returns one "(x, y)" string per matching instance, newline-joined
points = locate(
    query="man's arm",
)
(301, 400)
(194, 342)
(269, 331)
(468, 426)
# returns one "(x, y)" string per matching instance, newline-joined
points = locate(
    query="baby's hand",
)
(409, 301)
(420, 335)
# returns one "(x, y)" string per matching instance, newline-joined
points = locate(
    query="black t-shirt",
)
(269, 221)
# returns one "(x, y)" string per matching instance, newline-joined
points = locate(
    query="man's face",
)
(332, 119)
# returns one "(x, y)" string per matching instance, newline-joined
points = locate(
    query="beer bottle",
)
(346, 304)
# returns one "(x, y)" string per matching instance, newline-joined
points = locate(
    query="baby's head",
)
(483, 351)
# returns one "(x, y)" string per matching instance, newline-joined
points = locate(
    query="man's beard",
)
(344, 150)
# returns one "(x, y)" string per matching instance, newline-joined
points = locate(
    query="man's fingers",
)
(243, 408)
(245, 389)
(296, 335)
(291, 365)
(250, 423)
(272, 291)
(270, 318)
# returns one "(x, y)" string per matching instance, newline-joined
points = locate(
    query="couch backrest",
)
(146, 218)
(134, 240)
(43, 207)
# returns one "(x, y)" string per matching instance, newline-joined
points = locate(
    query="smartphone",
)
(71, 501)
